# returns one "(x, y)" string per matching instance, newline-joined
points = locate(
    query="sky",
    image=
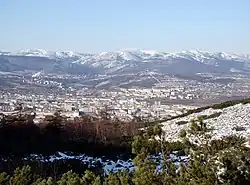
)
(108, 25)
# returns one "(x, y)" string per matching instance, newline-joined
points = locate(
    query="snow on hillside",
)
(4, 52)
(49, 54)
(118, 59)
(223, 125)
(192, 61)
(37, 74)
(132, 55)
(34, 52)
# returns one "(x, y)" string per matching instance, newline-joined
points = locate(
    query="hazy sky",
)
(107, 25)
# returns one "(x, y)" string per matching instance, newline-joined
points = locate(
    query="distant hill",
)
(125, 61)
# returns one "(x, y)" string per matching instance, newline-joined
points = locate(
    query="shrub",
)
(239, 128)
(182, 133)
(181, 122)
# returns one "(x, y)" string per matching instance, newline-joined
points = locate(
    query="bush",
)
(182, 133)
(239, 128)
(181, 122)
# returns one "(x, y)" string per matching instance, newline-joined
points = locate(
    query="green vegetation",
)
(221, 162)
(225, 161)
(56, 133)
(214, 115)
(182, 133)
(239, 128)
(181, 122)
(230, 103)
(200, 109)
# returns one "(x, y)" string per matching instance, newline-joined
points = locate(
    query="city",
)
(172, 96)
(125, 92)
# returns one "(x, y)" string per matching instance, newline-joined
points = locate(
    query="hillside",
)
(125, 61)
(150, 158)
(228, 118)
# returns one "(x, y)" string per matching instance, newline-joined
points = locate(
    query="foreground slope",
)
(233, 119)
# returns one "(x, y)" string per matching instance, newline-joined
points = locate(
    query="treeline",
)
(222, 162)
(94, 136)
(200, 109)
(219, 105)
(19, 135)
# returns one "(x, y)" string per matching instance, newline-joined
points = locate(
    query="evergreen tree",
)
(48, 181)
(112, 179)
(22, 176)
(70, 178)
(4, 178)
(89, 178)
(97, 181)
(211, 162)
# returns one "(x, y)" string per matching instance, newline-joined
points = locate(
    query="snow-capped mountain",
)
(126, 60)
(49, 54)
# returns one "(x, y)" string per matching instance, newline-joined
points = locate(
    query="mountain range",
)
(124, 61)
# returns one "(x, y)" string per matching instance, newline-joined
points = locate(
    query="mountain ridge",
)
(50, 53)
(125, 60)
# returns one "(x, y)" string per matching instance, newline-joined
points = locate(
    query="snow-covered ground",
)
(223, 125)
(108, 165)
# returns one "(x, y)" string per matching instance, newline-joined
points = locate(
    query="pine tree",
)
(4, 178)
(40, 181)
(112, 179)
(69, 178)
(124, 177)
(22, 176)
(88, 178)
(97, 181)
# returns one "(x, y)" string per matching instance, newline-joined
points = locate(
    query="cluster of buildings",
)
(170, 97)
(122, 104)
(166, 93)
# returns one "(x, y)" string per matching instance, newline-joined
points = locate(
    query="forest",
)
(225, 161)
